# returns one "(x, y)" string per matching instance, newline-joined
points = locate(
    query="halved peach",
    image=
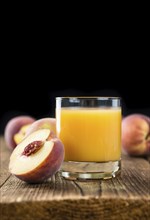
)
(37, 157)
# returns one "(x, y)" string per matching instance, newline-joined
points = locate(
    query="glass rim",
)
(90, 97)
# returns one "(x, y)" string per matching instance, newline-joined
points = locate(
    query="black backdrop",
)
(34, 94)
(100, 55)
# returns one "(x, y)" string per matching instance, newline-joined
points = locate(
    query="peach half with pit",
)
(37, 157)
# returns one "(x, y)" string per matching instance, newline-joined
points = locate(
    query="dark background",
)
(36, 96)
(41, 61)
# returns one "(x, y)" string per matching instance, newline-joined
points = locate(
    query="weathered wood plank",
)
(124, 197)
(74, 209)
(15, 190)
(131, 183)
(134, 180)
(4, 160)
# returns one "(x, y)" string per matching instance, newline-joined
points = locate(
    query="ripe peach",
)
(37, 157)
(49, 123)
(136, 134)
(13, 127)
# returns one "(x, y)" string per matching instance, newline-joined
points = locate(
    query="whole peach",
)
(13, 126)
(136, 134)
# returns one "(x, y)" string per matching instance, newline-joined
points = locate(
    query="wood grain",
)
(4, 160)
(125, 197)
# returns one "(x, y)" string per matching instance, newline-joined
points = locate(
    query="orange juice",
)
(90, 134)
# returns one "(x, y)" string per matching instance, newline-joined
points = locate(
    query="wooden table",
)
(124, 197)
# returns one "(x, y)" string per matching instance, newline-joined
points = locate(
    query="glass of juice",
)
(90, 129)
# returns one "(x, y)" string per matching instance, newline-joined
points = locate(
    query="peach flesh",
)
(41, 165)
(19, 136)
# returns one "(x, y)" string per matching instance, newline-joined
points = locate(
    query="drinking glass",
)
(90, 129)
